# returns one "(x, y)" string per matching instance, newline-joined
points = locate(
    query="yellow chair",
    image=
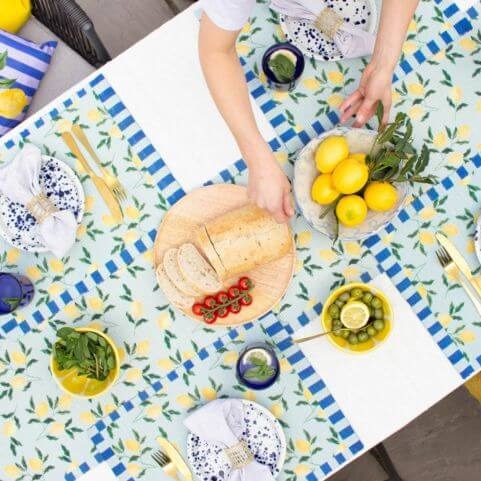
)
(14, 14)
(474, 386)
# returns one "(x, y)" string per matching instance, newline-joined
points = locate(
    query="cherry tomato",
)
(246, 300)
(222, 312)
(233, 292)
(235, 308)
(222, 297)
(210, 302)
(245, 283)
(210, 317)
(197, 309)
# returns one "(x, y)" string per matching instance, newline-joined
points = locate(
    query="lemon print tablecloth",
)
(169, 363)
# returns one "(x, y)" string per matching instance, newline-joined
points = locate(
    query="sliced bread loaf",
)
(174, 295)
(207, 248)
(171, 267)
(196, 270)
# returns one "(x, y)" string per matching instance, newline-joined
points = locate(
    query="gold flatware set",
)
(458, 269)
(170, 460)
(107, 185)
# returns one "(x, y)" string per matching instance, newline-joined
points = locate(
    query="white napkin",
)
(222, 421)
(351, 41)
(19, 181)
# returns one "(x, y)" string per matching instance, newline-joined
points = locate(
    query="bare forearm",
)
(395, 18)
(226, 82)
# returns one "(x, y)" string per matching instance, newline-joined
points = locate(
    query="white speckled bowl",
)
(305, 172)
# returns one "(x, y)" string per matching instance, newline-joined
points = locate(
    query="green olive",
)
(337, 325)
(356, 293)
(344, 297)
(345, 333)
(367, 297)
(376, 302)
(371, 330)
(352, 339)
(363, 336)
(378, 324)
(378, 313)
(339, 303)
(334, 311)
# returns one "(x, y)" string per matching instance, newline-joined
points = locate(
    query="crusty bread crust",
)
(196, 270)
(173, 295)
(246, 238)
(171, 268)
(207, 248)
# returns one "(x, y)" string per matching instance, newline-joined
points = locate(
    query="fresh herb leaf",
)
(282, 67)
(88, 352)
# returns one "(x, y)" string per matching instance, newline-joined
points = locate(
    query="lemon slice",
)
(355, 315)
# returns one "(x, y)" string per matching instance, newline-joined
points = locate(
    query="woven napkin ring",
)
(328, 22)
(40, 207)
(239, 455)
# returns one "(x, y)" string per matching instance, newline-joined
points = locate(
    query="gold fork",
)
(112, 182)
(452, 270)
(165, 463)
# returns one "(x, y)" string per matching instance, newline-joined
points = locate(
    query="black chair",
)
(382, 457)
(69, 22)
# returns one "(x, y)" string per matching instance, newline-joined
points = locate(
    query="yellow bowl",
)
(374, 341)
(81, 386)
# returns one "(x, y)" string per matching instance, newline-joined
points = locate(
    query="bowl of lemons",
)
(359, 316)
(335, 190)
(84, 362)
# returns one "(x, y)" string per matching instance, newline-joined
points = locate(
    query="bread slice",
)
(196, 270)
(174, 295)
(171, 268)
(207, 248)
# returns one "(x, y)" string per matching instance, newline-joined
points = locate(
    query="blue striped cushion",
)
(27, 63)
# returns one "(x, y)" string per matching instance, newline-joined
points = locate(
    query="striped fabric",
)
(27, 63)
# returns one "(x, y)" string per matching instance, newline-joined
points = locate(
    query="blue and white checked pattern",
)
(156, 166)
(404, 284)
(282, 336)
(294, 139)
(321, 396)
(27, 63)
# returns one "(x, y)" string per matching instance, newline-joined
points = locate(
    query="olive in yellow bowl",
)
(359, 315)
(84, 361)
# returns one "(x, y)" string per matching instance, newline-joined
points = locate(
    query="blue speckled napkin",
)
(222, 421)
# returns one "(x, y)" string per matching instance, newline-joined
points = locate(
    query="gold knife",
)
(459, 260)
(99, 183)
(175, 457)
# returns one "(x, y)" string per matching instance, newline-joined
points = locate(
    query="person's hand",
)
(375, 86)
(268, 186)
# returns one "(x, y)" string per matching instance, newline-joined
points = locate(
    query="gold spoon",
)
(320, 334)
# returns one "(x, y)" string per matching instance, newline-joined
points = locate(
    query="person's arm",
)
(376, 82)
(268, 185)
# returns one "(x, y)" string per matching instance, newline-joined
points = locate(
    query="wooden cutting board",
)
(204, 204)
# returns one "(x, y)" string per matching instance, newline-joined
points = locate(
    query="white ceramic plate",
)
(62, 187)
(305, 172)
(315, 44)
(266, 441)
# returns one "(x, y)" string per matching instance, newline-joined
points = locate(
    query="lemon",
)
(12, 103)
(351, 210)
(358, 156)
(330, 152)
(350, 176)
(355, 315)
(380, 196)
(322, 190)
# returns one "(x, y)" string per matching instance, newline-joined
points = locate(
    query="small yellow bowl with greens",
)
(360, 316)
(84, 361)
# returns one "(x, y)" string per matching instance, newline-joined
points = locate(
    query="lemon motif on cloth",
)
(14, 14)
